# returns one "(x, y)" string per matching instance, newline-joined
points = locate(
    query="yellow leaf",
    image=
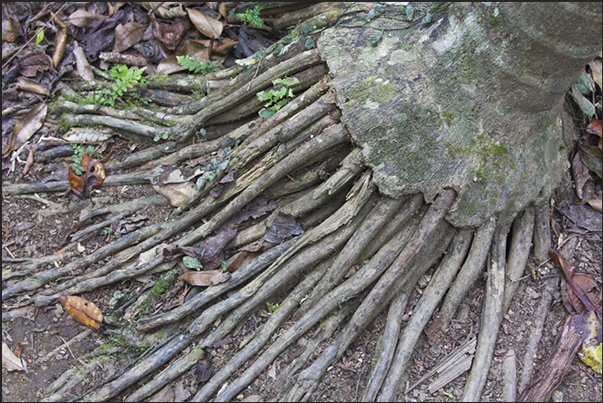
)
(82, 310)
(590, 352)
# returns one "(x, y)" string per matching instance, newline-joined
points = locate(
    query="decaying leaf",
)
(204, 368)
(26, 84)
(176, 193)
(34, 61)
(164, 395)
(92, 178)
(205, 278)
(188, 48)
(167, 10)
(25, 127)
(10, 361)
(239, 260)
(171, 34)
(579, 290)
(580, 174)
(595, 66)
(83, 67)
(206, 25)
(82, 310)
(11, 29)
(283, 227)
(127, 35)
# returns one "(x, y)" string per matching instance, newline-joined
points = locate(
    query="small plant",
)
(271, 309)
(277, 98)
(124, 78)
(163, 136)
(252, 16)
(107, 231)
(192, 263)
(78, 154)
(195, 66)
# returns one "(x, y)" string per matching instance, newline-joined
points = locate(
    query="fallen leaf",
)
(204, 368)
(11, 29)
(127, 35)
(10, 361)
(206, 25)
(283, 226)
(82, 310)
(181, 393)
(176, 193)
(591, 157)
(60, 42)
(26, 84)
(226, 340)
(82, 65)
(595, 203)
(205, 278)
(82, 18)
(579, 291)
(224, 46)
(164, 395)
(239, 260)
(170, 34)
(87, 134)
(588, 326)
(92, 178)
(25, 127)
(210, 251)
(34, 61)
(580, 174)
(595, 66)
(594, 127)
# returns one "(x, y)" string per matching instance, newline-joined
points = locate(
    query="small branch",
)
(509, 377)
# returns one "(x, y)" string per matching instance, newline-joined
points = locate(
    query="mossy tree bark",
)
(458, 106)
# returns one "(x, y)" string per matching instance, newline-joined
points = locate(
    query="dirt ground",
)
(39, 336)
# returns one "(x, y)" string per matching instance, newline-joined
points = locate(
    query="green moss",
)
(163, 283)
(370, 88)
(494, 20)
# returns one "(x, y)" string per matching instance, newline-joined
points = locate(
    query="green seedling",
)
(195, 66)
(78, 154)
(277, 98)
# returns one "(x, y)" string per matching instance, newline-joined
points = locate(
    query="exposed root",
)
(422, 312)
(490, 318)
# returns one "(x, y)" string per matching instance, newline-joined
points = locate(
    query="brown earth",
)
(40, 337)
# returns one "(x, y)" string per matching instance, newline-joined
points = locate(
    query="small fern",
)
(252, 16)
(78, 155)
(195, 66)
(124, 78)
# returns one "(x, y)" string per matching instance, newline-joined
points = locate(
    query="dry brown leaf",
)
(127, 35)
(60, 42)
(25, 127)
(205, 278)
(26, 84)
(222, 10)
(581, 175)
(10, 30)
(224, 47)
(239, 260)
(164, 395)
(82, 18)
(83, 67)
(595, 66)
(82, 310)
(206, 25)
(10, 361)
(595, 128)
(113, 9)
(595, 203)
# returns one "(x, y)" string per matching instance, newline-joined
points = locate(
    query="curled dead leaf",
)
(82, 310)
(83, 67)
(60, 42)
(595, 128)
(205, 278)
(10, 361)
(166, 10)
(25, 127)
(92, 178)
(206, 25)
(595, 203)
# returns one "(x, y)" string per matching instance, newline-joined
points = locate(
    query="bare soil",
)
(39, 337)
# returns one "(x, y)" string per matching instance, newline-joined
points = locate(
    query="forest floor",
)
(28, 230)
